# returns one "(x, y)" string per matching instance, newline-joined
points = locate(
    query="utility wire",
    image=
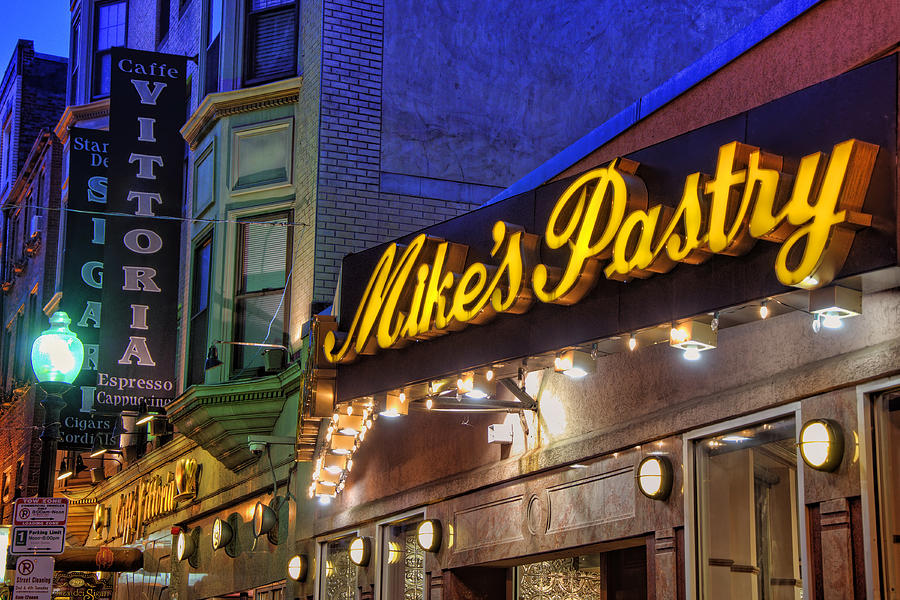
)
(162, 217)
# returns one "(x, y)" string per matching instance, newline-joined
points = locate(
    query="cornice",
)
(82, 112)
(223, 104)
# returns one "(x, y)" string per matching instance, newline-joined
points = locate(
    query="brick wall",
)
(352, 213)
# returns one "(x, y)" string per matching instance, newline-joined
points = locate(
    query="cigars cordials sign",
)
(121, 276)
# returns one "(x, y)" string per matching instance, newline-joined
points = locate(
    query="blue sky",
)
(44, 21)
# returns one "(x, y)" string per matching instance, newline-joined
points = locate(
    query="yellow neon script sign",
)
(604, 223)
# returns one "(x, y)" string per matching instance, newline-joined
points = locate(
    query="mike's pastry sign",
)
(604, 224)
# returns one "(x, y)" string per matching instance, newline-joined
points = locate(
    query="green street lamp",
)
(56, 357)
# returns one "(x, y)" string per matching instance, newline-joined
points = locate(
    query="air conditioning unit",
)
(36, 227)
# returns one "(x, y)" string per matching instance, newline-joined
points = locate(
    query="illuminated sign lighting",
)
(605, 224)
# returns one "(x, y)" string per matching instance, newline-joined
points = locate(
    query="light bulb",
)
(816, 324)
(763, 310)
(714, 324)
(692, 353)
(632, 342)
(830, 321)
(429, 403)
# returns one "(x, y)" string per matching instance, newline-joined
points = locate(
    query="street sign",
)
(37, 540)
(41, 511)
(34, 578)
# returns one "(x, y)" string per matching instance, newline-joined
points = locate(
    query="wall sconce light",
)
(393, 404)
(822, 444)
(693, 337)
(264, 519)
(654, 477)
(186, 545)
(360, 551)
(428, 535)
(147, 414)
(476, 386)
(68, 468)
(831, 305)
(298, 567)
(573, 363)
(221, 534)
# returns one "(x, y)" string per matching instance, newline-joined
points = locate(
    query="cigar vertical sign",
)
(140, 274)
(83, 281)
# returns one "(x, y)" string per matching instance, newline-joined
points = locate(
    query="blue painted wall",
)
(485, 91)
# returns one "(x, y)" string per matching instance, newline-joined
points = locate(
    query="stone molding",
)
(82, 112)
(224, 104)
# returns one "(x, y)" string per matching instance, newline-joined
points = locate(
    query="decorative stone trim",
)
(82, 112)
(224, 104)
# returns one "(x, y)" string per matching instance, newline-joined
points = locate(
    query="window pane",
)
(403, 563)
(748, 531)
(263, 4)
(340, 573)
(271, 43)
(201, 277)
(254, 315)
(264, 247)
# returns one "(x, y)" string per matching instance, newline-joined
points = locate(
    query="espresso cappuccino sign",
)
(140, 275)
(605, 225)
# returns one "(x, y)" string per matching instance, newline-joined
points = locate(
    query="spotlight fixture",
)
(98, 448)
(822, 444)
(428, 535)
(360, 550)
(221, 534)
(654, 477)
(212, 358)
(573, 363)
(185, 545)
(393, 404)
(298, 567)
(342, 444)
(763, 309)
(475, 386)
(264, 519)
(64, 471)
(693, 337)
(831, 305)
(632, 342)
(147, 413)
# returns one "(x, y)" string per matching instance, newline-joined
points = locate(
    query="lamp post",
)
(56, 358)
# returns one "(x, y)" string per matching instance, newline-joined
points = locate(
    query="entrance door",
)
(613, 575)
(887, 459)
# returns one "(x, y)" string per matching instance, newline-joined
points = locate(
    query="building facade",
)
(646, 428)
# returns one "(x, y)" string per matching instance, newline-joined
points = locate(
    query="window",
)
(6, 152)
(748, 533)
(109, 32)
(618, 574)
(20, 359)
(162, 25)
(199, 311)
(403, 562)
(270, 40)
(211, 63)
(73, 63)
(339, 576)
(261, 306)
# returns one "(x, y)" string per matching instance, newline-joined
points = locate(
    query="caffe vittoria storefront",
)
(670, 372)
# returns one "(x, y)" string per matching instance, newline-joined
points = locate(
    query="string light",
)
(632, 342)
(763, 309)
(714, 324)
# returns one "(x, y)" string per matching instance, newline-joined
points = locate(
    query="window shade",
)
(264, 255)
(272, 43)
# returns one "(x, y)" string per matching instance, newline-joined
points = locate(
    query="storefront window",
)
(620, 574)
(403, 566)
(888, 458)
(340, 574)
(747, 522)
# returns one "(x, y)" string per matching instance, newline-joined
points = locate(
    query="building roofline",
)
(774, 19)
(51, 57)
(42, 140)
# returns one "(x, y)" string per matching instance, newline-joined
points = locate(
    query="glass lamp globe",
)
(57, 354)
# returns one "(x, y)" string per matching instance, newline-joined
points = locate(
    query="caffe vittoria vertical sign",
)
(140, 273)
(85, 236)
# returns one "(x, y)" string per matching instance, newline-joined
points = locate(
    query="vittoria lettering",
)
(604, 224)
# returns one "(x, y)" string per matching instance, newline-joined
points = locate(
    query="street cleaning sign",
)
(34, 578)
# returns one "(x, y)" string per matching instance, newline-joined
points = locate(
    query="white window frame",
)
(690, 500)
(321, 549)
(379, 543)
(868, 475)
